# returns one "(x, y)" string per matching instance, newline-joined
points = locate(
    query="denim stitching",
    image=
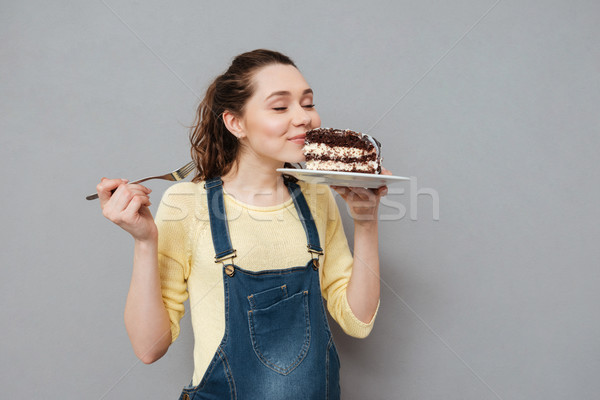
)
(327, 327)
(225, 219)
(205, 378)
(252, 297)
(228, 374)
(273, 271)
(272, 366)
(303, 351)
(305, 216)
(331, 347)
(284, 271)
(226, 288)
(218, 224)
(251, 301)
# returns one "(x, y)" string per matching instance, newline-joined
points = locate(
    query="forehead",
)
(278, 77)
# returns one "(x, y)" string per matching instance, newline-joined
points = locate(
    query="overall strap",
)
(218, 219)
(312, 235)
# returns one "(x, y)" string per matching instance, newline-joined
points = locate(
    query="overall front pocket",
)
(267, 297)
(280, 333)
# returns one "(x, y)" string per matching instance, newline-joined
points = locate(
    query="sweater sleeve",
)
(337, 269)
(174, 260)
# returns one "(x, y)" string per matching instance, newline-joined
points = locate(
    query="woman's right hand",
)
(128, 207)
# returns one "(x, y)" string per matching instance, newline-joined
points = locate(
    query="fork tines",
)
(184, 171)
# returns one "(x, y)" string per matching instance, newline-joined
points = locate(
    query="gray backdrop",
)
(490, 106)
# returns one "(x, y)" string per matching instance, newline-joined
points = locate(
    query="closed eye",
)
(285, 108)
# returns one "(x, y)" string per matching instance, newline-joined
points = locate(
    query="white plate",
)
(335, 178)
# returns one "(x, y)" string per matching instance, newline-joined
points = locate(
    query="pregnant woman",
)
(257, 252)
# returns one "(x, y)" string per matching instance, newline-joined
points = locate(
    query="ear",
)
(233, 124)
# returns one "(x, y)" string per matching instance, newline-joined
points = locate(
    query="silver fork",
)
(176, 175)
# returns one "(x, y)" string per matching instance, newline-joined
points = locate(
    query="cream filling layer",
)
(320, 149)
(341, 166)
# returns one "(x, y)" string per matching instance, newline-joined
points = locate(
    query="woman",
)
(255, 251)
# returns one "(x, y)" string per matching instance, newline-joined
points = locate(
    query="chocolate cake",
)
(328, 149)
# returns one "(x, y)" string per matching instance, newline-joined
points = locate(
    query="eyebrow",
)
(286, 93)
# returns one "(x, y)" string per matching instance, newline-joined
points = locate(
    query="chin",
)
(296, 160)
(294, 156)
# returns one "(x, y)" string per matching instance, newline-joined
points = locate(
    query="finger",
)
(382, 191)
(131, 188)
(342, 190)
(385, 171)
(109, 184)
(105, 187)
(133, 208)
(124, 194)
(133, 191)
(116, 203)
(137, 186)
(360, 193)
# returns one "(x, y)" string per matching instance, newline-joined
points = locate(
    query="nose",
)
(301, 117)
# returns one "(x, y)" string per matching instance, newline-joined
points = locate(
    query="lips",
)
(298, 137)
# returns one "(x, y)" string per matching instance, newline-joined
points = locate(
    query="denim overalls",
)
(277, 342)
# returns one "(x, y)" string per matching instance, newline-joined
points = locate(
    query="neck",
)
(256, 181)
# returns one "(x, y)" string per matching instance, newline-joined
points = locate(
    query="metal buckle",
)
(315, 261)
(213, 185)
(232, 255)
(314, 251)
(229, 269)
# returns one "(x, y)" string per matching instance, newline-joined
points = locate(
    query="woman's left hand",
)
(363, 203)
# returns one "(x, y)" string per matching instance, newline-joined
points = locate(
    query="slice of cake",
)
(328, 149)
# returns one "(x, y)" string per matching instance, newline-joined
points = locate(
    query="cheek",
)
(274, 127)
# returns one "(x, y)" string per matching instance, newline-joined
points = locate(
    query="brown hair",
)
(214, 148)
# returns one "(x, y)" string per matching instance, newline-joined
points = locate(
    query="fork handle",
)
(95, 195)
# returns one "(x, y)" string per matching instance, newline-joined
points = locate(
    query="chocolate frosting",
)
(345, 138)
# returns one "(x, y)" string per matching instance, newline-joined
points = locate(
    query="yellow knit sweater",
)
(264, 237)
